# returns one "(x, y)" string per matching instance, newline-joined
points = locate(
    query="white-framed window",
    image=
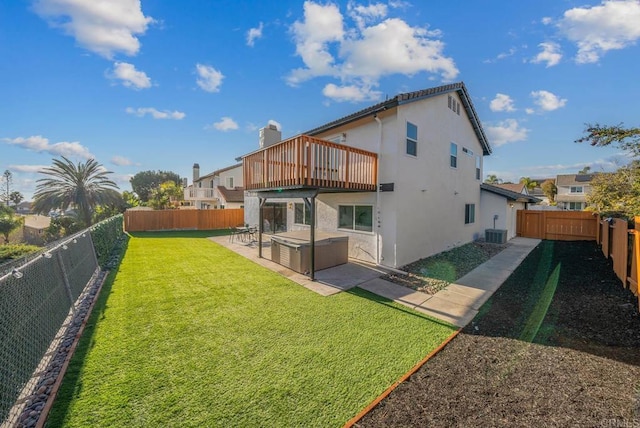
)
(412, 139)
(469, 152)
(355, 217)
(576, 189)
(469, 213)
(301, 214)
(478, 166)
(229, 183)
(453, 155)
(575, 206)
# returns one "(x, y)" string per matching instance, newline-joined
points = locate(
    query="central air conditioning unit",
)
(495, 236)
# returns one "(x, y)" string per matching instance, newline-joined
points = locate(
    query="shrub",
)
(106, 236)
(16, 251)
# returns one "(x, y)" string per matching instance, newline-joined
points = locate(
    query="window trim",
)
(576, 187)
(354, 230)
(453, 155)
(411, 140)
(305, 216)
(469, 213)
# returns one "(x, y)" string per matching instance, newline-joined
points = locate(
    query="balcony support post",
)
(311, 206)
(260, 225)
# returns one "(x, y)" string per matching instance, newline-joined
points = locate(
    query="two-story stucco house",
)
(573, 190)
(401, 179)
(222, 188)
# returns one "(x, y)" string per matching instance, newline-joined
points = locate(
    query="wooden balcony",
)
(308, 162)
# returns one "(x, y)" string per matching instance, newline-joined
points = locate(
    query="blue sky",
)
(160, 84)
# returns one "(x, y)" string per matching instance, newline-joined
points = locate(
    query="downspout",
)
(377, 119)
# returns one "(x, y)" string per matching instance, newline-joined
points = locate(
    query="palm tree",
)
(82, 186)
(528, 183)
(493, 179)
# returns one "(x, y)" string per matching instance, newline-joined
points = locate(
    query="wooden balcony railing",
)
(304, 161)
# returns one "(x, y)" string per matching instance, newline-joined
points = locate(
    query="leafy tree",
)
(164, 195)
(550, 190)
(585, 170)
(617, 193)
(493, 179)
(83, 186)
(143, 183)
(601, 136)
(8, 222)
(528, 183)
(62, 226)
(130, 199)
(16, 197)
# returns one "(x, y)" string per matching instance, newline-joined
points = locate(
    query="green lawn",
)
(188, 333)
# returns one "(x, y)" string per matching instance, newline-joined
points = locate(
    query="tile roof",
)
(232, 195)
(411, 97)
(513, 196)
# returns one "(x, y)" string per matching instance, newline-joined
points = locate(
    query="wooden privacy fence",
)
(140, 221)
(557, 225)
(622, 245)
(618, 242)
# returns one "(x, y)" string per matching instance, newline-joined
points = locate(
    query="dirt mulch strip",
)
(557, 345)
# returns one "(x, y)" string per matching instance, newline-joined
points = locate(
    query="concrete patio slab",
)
(457, 304)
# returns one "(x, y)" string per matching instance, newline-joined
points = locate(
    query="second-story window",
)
(453, 158)
(576, 189)
(412, 139)
(478, 167)
(229, 182)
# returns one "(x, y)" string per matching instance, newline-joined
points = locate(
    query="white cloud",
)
(225, 124)
(508, 131)
(253, 34)
(28, 168)
(550, 54)
(547, 101)
(121, 161)
(209, 79)
(129, 76)
(365, 14)
(529, 110)
(38, 143)
(103, 27)
(501, 55)
(361, 55)
(502, 102)
(547, 20)
(352, 93)
(156, 114)
(613, 24)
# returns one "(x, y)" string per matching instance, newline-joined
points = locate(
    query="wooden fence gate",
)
(558, 225)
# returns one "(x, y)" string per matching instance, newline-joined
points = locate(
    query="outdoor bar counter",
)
(292, 249)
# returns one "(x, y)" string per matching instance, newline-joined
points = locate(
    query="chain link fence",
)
(36, 297)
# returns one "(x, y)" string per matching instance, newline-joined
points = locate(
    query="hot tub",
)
(293, 250)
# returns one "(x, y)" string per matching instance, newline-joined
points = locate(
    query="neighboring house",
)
(499, 205)
(23, 208)
(538, 193)
(513, 187)
(573, 190)
(220, 189)
(401, 178)
(34, 229)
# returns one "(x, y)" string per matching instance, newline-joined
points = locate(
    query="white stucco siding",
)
(235, 173)
(506, 210)
(430, 194)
